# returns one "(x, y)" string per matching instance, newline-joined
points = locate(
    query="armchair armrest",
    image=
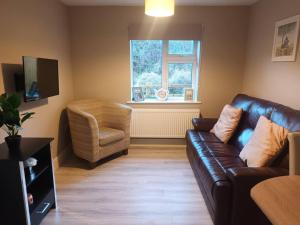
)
(204, 124)
(84, 132)
(244, 210)
(116, 116)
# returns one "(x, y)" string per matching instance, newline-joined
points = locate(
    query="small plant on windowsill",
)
(11, 120)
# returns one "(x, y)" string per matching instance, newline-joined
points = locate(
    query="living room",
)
(165, 166)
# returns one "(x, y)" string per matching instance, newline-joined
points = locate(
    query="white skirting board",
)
(161, 123)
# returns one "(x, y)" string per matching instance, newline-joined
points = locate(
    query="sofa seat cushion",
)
(201, 150)
(201, 136)
(214, 185)
(210, 173)
(108, 135)
(208, 137)
(209, 149)
(212, 159)
(213, 169)
(230, 162)
(222, 150)
(209, 161)
(194, 142)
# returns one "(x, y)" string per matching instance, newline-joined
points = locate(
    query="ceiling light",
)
(159, 8)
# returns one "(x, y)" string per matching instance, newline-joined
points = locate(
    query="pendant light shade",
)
(159, 8)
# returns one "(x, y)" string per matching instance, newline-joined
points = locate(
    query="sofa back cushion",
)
(253, 108)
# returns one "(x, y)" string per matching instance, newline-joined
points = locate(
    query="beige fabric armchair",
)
(98, 129)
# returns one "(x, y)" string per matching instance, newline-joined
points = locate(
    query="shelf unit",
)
(17, 182)
(30, 178)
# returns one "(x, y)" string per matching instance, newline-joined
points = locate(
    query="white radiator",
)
(161, 123)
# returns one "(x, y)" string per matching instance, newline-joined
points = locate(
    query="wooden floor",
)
(149, 186)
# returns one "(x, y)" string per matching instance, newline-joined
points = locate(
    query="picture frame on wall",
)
(137, 94)
(188, 94)
(286, 40)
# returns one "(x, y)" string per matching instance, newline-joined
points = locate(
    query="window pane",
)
(146, 62)
(181, 47)
(180, 77)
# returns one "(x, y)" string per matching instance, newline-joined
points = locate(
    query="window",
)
(172, 65)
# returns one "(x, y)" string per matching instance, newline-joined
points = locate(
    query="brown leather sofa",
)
(224, 179)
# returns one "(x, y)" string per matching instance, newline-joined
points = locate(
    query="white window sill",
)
(155, 102)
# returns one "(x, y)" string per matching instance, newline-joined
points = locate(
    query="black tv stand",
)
(18, 182)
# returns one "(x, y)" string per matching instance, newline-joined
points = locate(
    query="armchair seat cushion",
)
(108, 135)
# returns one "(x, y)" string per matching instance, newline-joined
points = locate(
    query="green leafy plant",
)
(10, 116)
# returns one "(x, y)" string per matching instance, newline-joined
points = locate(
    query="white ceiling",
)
(141, 2)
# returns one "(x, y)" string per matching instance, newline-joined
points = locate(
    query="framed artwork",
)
(188, 94)
(137, 94)
(286, 39)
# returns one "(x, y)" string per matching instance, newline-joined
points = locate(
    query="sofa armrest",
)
(254, 175)
(244, 210)
(204, 124)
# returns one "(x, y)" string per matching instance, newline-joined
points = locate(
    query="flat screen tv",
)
(40, 78)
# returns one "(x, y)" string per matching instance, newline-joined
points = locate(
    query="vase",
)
(13, 143)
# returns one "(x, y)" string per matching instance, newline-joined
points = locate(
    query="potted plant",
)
(11, 120)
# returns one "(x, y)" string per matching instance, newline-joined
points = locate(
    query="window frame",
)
(167, 59)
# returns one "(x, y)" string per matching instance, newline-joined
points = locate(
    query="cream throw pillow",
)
(227, 123)
(266, 142)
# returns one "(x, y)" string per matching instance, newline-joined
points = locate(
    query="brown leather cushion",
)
(194, 142)
(208, 137)
(212, 160)
(201, 150)
(253, 108)
(209, 149)
(202, 136)
(230, 162)
(211, 172)
(287, 118)
(222, 150)
(213, 169)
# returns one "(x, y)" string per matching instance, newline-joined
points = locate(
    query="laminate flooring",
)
(146, 187)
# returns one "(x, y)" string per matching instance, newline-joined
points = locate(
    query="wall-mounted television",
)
(39, 79)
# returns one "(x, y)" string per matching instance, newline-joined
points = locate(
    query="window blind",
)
(165, 31)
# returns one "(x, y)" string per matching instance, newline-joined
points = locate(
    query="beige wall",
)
(276, 81)
(39, 28)
(100, 51)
